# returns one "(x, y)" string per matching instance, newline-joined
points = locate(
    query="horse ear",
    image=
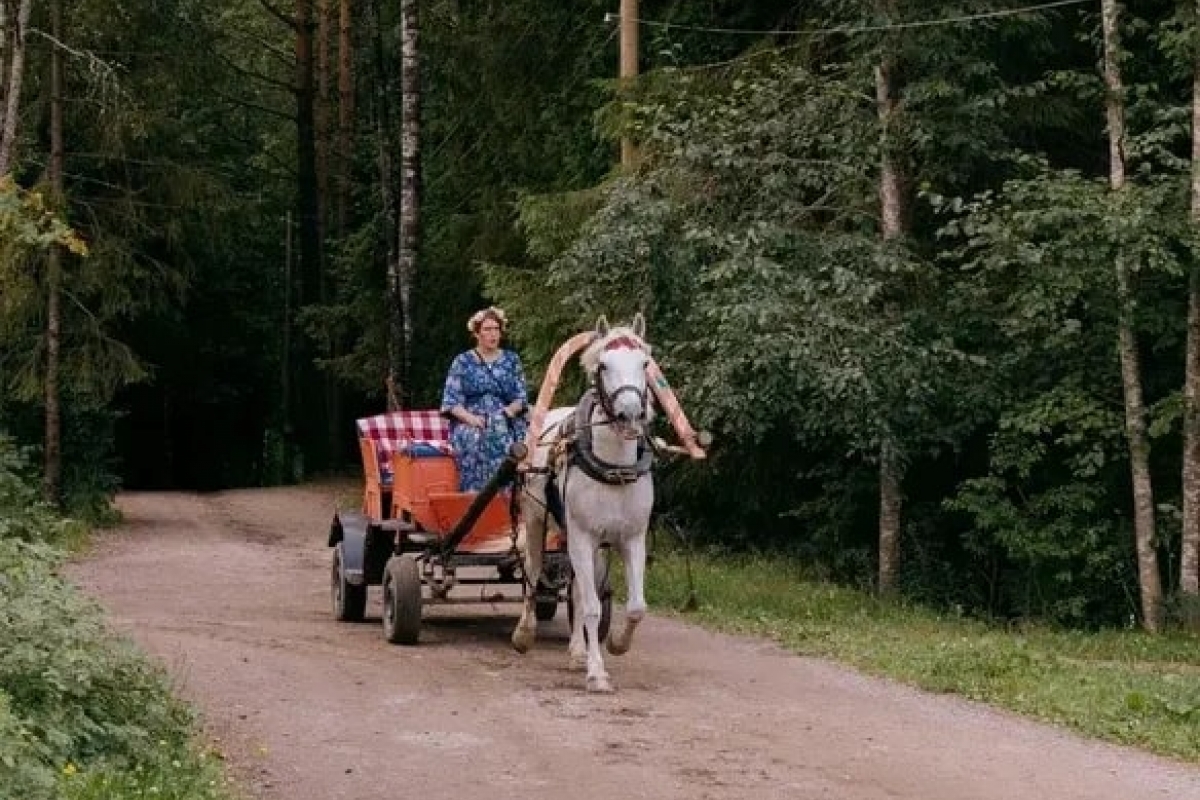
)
(639, 325)
(602, 326)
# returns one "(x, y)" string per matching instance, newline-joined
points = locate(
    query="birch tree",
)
(15, 29)
(892, 227)
(403, 271)
(1149, 580)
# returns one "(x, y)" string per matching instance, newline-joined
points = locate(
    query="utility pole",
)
(629, 68)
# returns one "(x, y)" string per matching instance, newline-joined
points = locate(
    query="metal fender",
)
(350, 528)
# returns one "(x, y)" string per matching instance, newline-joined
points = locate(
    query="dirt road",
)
(231, 591)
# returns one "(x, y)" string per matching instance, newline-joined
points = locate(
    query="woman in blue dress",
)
(486, 401)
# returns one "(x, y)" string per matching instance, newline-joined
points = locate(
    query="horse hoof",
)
(599, 685)
(617, 648)
(522, 640)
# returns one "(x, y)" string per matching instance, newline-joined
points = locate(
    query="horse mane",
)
(621, 335)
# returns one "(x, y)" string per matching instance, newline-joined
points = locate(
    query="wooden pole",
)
(628, 67)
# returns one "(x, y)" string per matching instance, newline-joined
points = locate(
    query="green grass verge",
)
(1120, 686)
(83, 714)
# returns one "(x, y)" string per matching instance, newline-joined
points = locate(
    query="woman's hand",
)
(469, 419)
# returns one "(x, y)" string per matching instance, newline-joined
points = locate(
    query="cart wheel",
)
(349, 600)
(605, 609)
(402, 600)
(545, 609)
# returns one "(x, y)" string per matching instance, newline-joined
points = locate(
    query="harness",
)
(577, 435)
(573, 448)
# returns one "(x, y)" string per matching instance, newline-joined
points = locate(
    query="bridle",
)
(608, 399)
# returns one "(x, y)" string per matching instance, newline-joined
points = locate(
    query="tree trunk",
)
(1189, 562)
(308, 401)
(410, 189)
(4, 49)
(325, 158)
(52, 451)
(891, 503)
(345, 139)
(321, 117)
(387, 187)
(1131, 376)
(15, 70)
(287, 362)
(893, 222)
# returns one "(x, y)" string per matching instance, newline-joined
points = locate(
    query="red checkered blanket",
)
(425, 431)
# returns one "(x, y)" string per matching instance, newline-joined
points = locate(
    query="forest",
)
(928, 271)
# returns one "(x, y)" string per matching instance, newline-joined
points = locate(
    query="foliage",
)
(27, 223)
(748, 237)
(1040, 254)
(23, 516)
(82, 714)
(980, 344)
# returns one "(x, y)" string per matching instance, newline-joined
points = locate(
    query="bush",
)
(82, 713)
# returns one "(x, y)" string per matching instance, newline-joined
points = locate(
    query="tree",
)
(1131, 371)
(405, 268)
(893, 227)
(52, 446)
(345, 131)
(15, 27)
(1189, 562)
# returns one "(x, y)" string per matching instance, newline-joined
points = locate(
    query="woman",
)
(486, 401)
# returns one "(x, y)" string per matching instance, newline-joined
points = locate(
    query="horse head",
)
(615, 363)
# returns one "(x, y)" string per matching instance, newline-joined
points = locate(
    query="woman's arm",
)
(454, 399)
(520, 400)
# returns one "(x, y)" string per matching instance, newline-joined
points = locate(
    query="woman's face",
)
(488, 334)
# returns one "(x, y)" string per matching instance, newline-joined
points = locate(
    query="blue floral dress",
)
(483, 389)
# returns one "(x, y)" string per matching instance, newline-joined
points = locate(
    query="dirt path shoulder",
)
(230, 591)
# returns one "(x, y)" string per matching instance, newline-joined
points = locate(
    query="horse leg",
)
(633, 553)
(577, 650)
(578, 646)
(583, 554)
(525, 633)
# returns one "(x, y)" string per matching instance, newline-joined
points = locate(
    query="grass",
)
(1120, 686)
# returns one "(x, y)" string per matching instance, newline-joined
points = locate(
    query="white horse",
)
(598, 460)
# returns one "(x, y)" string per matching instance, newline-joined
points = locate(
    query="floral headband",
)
(491, 311)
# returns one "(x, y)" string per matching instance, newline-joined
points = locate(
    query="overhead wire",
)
(881, 27)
